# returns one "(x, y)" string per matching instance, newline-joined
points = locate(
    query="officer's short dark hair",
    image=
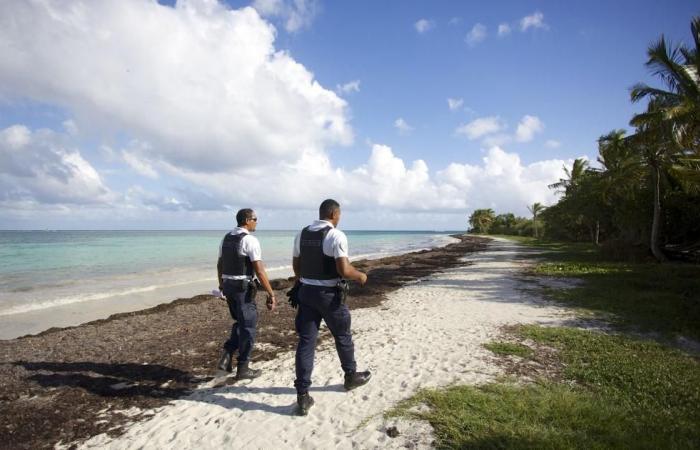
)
(243, 215)
(327, 208)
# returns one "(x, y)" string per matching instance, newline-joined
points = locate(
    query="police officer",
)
(239, 259)
(320, 261)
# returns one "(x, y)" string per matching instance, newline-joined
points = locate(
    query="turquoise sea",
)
(59, 278)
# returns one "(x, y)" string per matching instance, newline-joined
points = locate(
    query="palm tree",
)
(678, 105)
(621, 165)
(659, 151)
(481, 220)
(573, 177)
(535, 209)
(614, 153)
(668, 132)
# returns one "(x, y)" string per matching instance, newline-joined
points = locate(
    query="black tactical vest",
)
(315, 265)
(232, 262)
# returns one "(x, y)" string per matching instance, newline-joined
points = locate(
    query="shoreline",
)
(151, 293)
(67, 384)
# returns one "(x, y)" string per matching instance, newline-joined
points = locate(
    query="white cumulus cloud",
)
(295, 14)
(527, 128)
(502, 182)
(454, 103)
(39, 166)
(503, 29)
(480, 127)
(387, 181)
(202, 84)
(139, 165)
(476, 35)
(42, 172)
(534, 20)
(424, 25)
(218, 115)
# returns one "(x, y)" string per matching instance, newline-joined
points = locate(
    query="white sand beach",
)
(427, 334)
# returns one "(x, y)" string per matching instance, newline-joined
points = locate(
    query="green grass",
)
(546, 416)
(622, 393)
(509, 348)
(647, 297)
(617, 391)
(662, 298)
(559, 251)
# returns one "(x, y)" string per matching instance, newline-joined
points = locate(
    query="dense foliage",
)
(645, 195)
(487, 222)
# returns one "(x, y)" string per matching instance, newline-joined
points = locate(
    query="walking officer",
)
(320, 262)
(239, 260)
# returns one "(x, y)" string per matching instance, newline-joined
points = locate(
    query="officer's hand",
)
(363, 279)
(271, 302)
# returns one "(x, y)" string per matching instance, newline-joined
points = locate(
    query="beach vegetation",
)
(613, 392)
(481, 220)
(636, 385)
(509, 348)
(642, 198)
(535, 209)
(507, 224)
(640, 297)
(648, 298)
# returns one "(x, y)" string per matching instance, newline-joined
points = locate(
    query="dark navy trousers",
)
(316, 303)
(241, 305)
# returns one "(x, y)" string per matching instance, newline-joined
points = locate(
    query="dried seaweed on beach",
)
(68, 384)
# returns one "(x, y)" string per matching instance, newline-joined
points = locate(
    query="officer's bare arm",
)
(218, 273)
(296, 267)
(262, 276)
(347, 271)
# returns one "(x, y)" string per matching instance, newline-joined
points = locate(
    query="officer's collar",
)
(322, 221)
(239, 230)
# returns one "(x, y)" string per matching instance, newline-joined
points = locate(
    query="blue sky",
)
(574, 74)
(136, 114)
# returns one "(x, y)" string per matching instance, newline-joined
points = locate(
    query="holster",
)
(343, 289)
(253, 285)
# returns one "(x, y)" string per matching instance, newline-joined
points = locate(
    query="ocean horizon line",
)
(220, 229)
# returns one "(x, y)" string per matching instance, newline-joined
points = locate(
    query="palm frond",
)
(695, 31)
(664, 61)
(646, 118)
(641, 90)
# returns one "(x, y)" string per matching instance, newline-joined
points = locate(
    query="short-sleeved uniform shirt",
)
(335, 245)
(250, 247)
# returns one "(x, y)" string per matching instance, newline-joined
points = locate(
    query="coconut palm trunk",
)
(597, 232)
(534, 223)
(535, 209)
(656, 221)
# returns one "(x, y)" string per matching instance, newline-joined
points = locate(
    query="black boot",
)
(246, 373)
(225, 362)
(356, 379)
(304, 403)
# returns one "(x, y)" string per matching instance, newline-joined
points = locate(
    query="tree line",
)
(644, 196)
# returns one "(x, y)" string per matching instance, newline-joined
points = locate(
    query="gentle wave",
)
(446, 241)
(170, 273)
(63, 301)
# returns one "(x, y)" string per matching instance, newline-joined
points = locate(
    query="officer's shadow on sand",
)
(215, 397)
